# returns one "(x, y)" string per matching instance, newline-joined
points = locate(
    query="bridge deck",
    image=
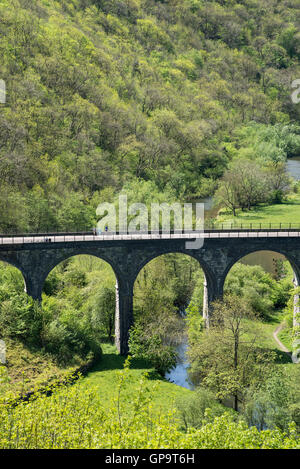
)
(62, 238)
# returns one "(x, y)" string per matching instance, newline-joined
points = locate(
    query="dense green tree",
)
(103, 315)
(275, 404)
(262, 293)
(227, 358)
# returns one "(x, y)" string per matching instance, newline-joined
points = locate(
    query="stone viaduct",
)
(35, 257)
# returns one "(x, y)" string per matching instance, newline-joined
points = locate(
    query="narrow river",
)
(179, 374)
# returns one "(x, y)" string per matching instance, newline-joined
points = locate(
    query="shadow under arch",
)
(238, 258)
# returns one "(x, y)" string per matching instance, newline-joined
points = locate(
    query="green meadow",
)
(105, 376)
(284, 214)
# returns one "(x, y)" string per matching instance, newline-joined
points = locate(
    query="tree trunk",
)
(236, 347)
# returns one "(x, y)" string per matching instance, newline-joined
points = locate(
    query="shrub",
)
(21, 317)
(73, 417)
(151, 348)
(192, 408)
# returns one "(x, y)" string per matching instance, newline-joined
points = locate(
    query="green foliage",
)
(227, 357)
(194, 320)
(193, 408)
(275, 404)
(162, 293)
(166, 285)
(160, 99)
(71, 418)
(290, 40)
(103, 315)
(21, 317)
(66, 325)
(258, 289)
(273, 143)
(247, 184)
(102, 93)
(141, 345)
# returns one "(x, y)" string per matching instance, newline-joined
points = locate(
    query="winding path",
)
(281, 346)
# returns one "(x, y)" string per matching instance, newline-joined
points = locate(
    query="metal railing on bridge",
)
(210, 230)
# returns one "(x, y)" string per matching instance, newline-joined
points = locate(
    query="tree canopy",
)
(100, 94)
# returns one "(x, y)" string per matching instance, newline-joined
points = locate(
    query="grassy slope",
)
(105, 376)
(28, 369)
(285, 337)
(267, 340)
(265, 335)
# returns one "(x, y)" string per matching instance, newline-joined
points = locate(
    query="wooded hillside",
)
(100, 93)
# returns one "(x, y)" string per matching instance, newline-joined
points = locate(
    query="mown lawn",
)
(285, 213)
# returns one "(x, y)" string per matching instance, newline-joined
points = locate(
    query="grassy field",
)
(105, 376)
(285, 213)
(265, 335)
(27, 370)
(266, 330)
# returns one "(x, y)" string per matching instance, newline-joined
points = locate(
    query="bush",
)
(66, 341)
(162, 357)
(192, 408)
(257, 287)
(21, 317)
(103, 314)
(295, 415)
(276, 404)
(74, 417)
(51, 285)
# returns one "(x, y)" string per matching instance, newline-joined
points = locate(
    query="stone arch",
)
(246, 252)
(12, 262)
(208, 274)
(38, 274)
(289, 257)
(83, 252)
(207, 271)
(124, 306)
